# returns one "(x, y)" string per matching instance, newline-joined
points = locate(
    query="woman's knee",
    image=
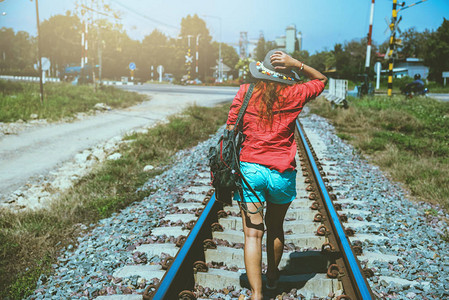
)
(254, 233)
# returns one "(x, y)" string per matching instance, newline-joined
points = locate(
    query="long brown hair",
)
(270, 99)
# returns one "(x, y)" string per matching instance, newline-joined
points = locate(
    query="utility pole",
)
(392, 46)
(370, 33)
(41, 85)
(196, 59)
(189, 57)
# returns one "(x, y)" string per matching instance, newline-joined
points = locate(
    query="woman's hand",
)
(282, 61)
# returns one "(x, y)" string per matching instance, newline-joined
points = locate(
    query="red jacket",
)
(273, 147)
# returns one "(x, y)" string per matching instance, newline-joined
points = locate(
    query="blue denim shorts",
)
(269, 185)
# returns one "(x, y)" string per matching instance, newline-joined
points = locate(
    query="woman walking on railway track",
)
(268, 156)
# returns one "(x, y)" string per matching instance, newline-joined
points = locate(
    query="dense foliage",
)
(108, 41)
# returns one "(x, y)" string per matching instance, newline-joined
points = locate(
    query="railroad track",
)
(200, 243)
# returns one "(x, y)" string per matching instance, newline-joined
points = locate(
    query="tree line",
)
(108, 41)
(61, 43)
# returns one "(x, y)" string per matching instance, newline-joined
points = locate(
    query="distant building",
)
(291, 41)
(225, 69)
(410, 67)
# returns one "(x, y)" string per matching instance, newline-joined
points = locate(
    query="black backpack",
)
(224, 161)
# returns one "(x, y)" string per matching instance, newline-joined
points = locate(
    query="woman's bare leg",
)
(254, 229)
(274, 220)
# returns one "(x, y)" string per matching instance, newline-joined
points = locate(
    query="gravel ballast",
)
(84, 271)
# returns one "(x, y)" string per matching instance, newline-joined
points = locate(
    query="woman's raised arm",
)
(282, 61)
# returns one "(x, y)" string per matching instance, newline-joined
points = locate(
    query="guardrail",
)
(55, 79)
(28, 78)
(338, 89)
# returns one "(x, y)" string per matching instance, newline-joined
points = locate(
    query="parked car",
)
(168, 77)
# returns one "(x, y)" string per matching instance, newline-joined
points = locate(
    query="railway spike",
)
(209, 244)
(349, 231)
(198, 212)
(307, 180)
(190, 225)
(333, 271)
(327, 248)
(343, 218)
(315, 206)
(318, 218)
(205, 200)
(149, 292)
(200, 266)
(322, 230)
(312, 196)
(217, 227)
(368, 272)
(186, 295)
(337, 206)
(210, 192)
(343, 297)
(180, 241)
(166, 263)
(309, 188)
(222, 214)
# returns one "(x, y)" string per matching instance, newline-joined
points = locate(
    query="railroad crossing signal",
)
(189, 59)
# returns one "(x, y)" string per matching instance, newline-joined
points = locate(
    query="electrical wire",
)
(144, 16)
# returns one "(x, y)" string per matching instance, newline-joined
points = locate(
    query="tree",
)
(195, 27)
(436, 57)
(229, 56)
(60, 40)
(243, 68)
(414, 43)
(302, 56)
(119, 51)
(263, 47)
(17, 52)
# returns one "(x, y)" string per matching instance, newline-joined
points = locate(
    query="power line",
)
(144, 16)
(401, 9)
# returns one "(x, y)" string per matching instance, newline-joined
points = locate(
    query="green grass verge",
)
(19, 100)
(408, 138)
(29, 241)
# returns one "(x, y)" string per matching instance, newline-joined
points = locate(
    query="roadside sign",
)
(445, 75)
(160, 69)
(45, 64)
(377, 67)
(132, 66)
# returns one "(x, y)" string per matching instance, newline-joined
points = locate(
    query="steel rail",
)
(361, 286)
(169, 286)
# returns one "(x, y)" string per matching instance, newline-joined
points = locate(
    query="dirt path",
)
(31, 155)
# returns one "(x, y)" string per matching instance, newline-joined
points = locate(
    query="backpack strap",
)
(237, 123)
(244, 104)
(243, 205)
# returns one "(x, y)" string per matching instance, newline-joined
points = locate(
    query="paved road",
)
(441, 97)
(39, 150)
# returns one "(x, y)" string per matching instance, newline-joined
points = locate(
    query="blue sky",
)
(323, 23)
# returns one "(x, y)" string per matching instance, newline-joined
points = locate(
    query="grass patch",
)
(29, 241)
(19, 100)
(408, 138)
